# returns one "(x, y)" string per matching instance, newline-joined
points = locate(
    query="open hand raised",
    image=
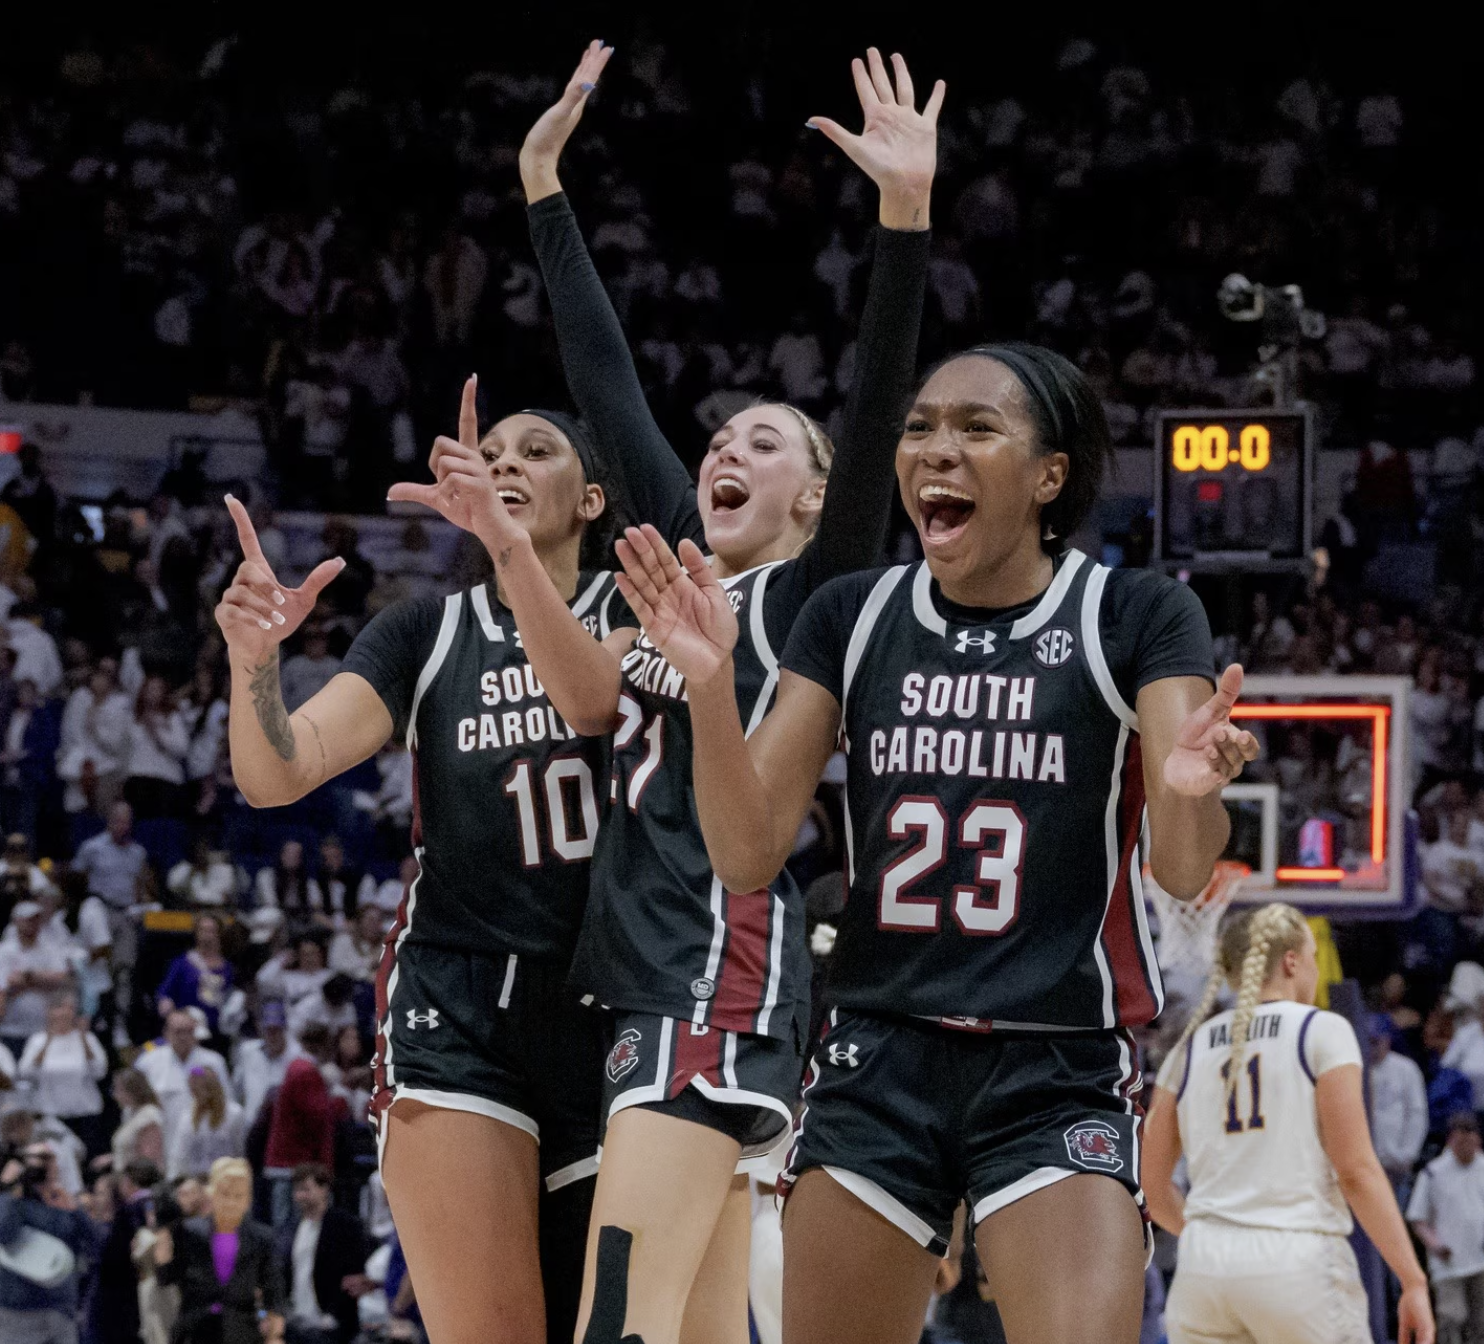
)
(898, 145)
(1209, 752)
(548, 137)
(684, 611)
(257, 613)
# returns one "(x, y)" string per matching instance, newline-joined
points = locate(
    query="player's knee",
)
(611, 1289)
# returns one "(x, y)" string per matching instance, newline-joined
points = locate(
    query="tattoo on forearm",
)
(267, 702)
(503, 559)
(324, 765)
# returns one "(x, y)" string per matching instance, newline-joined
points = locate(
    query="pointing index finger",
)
(247, 536)
(469, 413)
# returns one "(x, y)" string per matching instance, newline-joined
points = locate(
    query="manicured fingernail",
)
(474, 378)
(278, 618)
(278, 597)
(587, 87)
(265, 624)
(229, 498)
(810, 126)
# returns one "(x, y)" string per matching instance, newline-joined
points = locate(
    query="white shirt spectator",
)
(126, 1137)
(1449, 872)
(93, 730)
(191, 1148)
(10, 1098)
(216, 885)
(315, 1008)
(351, 955)
(157, 750)
(25, 1009)
(64, 1073)
(1465, 1053)
(258, 1073)
(113, 870)
(208, 732)
(1398, 1112)
(170, 1078)
(1449, 1197)
(37, 884)
(36, 656)
(278, 981)
(304, 1305)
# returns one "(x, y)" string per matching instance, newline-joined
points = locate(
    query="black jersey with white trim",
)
(662, 935)
(506, 795)
(995, 792)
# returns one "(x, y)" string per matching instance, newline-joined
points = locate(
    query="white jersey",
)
(1253, 1151)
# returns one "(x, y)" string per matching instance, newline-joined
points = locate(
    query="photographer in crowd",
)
(44, 1241)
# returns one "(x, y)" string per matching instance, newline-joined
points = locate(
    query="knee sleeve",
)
(611, 1289)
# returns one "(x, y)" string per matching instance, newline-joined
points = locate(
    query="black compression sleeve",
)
(602, 379)
(857, 504)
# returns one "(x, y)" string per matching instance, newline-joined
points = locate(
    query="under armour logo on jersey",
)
(623, 1059)
(844, 1054)
(1053, 647)
(967, 639)
(416, 1019)
(1094, 1144)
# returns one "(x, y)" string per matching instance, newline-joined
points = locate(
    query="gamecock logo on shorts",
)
(623, 1059)
(1094, 1145)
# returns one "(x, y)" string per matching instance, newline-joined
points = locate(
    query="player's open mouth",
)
(728, 494)
(513, 498)
(944, 510)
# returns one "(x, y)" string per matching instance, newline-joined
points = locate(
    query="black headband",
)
(1028, 373)
(577, 436)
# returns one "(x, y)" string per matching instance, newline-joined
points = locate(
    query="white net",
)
(1186, 945)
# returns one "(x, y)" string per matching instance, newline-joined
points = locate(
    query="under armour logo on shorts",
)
(845, 1055)
(416, 1019)
(967, 639)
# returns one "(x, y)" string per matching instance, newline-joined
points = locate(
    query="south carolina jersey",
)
(1253, 1149)
(995, 793)
(506, 795)
(662, 935)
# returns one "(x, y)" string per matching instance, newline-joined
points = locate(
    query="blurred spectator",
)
(64, 1063)
(214, 1127)
(296, 972)
(28, 751)
(285, 885)
(200, 978)
(308, 672)
(140, 1136)
(41, 1308)
(337, 889)
(1398, 1107)
(262, 1063)
(31, 971)
(21, 879)
(330, 1006)
(357, 951)
(302, 1128)
(208, 878)
(154, 762)
(116, 1297)
(115, 865)
(94, 741)
(224, 1265)
(31, 495)
(326, 1263)
(1447, 1214)
(167, 1064)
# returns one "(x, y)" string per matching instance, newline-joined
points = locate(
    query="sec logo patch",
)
(1053, 647)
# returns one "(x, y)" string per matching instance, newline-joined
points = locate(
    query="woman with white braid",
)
(1266, 1102)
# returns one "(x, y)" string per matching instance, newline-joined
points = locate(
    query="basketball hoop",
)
(1187, 929)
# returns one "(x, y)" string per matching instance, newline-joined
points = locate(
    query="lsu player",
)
(1266, 1102)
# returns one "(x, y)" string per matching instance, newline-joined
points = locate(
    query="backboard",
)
(1322, 816)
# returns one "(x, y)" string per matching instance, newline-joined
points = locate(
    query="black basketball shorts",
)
(743, 1085)
(501, 1036)
(913, 1117)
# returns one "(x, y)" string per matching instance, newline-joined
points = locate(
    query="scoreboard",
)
(1233, 488)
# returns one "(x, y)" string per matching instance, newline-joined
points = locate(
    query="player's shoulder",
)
(851, 592)
(1126, 591)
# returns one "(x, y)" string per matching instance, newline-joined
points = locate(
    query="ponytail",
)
(1251, 948)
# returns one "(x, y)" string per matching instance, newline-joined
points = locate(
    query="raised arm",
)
(580, 675)
(278, 757)
(897, 149)
(751, 793)
(600, 371)
(1191, 752)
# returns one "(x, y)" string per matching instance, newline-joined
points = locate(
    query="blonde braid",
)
(1256, 945)
(1202, 1009)
(820, 447)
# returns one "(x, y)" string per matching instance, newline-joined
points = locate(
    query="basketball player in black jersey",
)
(1010, 709)
(488, 1069)
(709, 986)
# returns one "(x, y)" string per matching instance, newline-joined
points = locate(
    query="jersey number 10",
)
(1234, 1123)
(996, 868)
(563, 777)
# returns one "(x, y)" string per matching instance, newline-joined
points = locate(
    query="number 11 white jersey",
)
(1253, 1150)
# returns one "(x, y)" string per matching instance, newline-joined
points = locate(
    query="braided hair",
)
(1251, 947)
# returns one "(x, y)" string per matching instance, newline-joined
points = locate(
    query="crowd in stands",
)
(186, 982)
